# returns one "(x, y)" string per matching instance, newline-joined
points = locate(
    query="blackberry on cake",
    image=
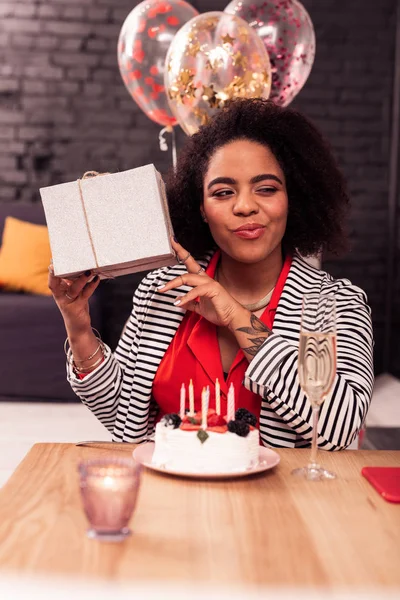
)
(171, 420)
(241, 428)
(242, 414)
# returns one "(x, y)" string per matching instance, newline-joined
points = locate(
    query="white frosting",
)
(180, 450)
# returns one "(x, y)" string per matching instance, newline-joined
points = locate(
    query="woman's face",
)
(244, 187)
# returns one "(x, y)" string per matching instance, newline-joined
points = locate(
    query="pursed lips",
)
(250, 231)
(249, 227)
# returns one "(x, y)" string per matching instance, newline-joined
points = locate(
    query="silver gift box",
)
(111, 224)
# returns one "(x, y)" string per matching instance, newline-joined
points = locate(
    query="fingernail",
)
(87, 273)
(177, 302)
(160, 287)
(96, 278)
(175, 240)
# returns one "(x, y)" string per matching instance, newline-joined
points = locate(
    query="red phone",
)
(386, 481)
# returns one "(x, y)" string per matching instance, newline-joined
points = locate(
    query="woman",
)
(253, 190)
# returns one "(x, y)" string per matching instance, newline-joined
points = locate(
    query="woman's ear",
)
(203, 216)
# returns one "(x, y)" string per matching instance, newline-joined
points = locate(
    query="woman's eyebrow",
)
(255, 179)
(264, 176)
(221, 180)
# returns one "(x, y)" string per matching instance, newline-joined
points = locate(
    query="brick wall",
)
(64, 110)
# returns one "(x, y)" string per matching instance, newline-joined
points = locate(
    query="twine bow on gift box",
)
(89, 175)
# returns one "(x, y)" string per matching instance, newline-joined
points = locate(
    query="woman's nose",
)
(245, 204)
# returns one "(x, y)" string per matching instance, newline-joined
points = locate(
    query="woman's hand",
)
(72, 298)
(208, 298)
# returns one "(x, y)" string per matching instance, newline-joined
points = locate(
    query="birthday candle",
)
(183, 401)
(205, 396)
(231, 403)
(191, 398)
(217, 397)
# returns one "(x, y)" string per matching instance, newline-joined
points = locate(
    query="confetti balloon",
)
(288, 34)
(142, 47)
(214, 57)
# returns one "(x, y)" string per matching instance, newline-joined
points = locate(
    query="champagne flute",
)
(317, 367)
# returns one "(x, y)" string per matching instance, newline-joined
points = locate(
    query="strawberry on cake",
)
(185, 445)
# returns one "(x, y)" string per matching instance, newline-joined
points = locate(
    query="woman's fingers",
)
(201, 291)
(90, 287)
(184, 256)
(185, 279)
(56, 284)
(78, 284)
(61, 287)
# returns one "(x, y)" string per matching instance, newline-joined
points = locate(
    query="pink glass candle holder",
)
(109, 488)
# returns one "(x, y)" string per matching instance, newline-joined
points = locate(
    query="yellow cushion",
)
(25, 257)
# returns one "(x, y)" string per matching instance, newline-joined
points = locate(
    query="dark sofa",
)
(32, 334)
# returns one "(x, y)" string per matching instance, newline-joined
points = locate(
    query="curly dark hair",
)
(316, 188)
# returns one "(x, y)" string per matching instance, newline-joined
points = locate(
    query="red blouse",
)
(194, 354)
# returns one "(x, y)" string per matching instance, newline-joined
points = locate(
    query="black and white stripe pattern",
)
(119, 391)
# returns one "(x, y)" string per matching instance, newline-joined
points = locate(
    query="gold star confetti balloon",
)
(288, 34)
(213, 58)
(142, 47)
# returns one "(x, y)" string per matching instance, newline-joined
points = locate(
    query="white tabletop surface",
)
(13, 588)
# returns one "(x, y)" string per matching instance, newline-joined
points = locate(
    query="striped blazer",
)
(119, 391)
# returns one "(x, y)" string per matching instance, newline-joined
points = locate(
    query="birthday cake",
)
(193, 444)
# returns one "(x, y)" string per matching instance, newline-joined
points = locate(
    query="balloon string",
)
(162, 140)
(164, 143)
(173, 148)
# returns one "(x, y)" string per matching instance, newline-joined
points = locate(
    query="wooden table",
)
(268, 529)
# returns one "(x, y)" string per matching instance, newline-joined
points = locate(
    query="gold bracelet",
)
(92, 367)
(92, 355)
(98, 337)
(82, 369)
(70, 357)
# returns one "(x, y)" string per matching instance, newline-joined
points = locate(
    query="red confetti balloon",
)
(143, 44)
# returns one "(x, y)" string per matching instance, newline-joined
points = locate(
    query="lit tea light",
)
(109, 482)
(109, 489)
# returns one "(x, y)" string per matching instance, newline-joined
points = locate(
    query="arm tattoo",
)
(256, 327)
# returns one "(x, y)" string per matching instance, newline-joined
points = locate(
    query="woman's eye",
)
(267, 190)
(222, 193)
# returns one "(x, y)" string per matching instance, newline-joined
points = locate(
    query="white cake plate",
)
(268, 459)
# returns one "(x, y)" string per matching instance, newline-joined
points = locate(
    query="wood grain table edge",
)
(289, 458)
(39, 448)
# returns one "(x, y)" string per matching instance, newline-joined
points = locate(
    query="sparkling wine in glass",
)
(317, 366)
